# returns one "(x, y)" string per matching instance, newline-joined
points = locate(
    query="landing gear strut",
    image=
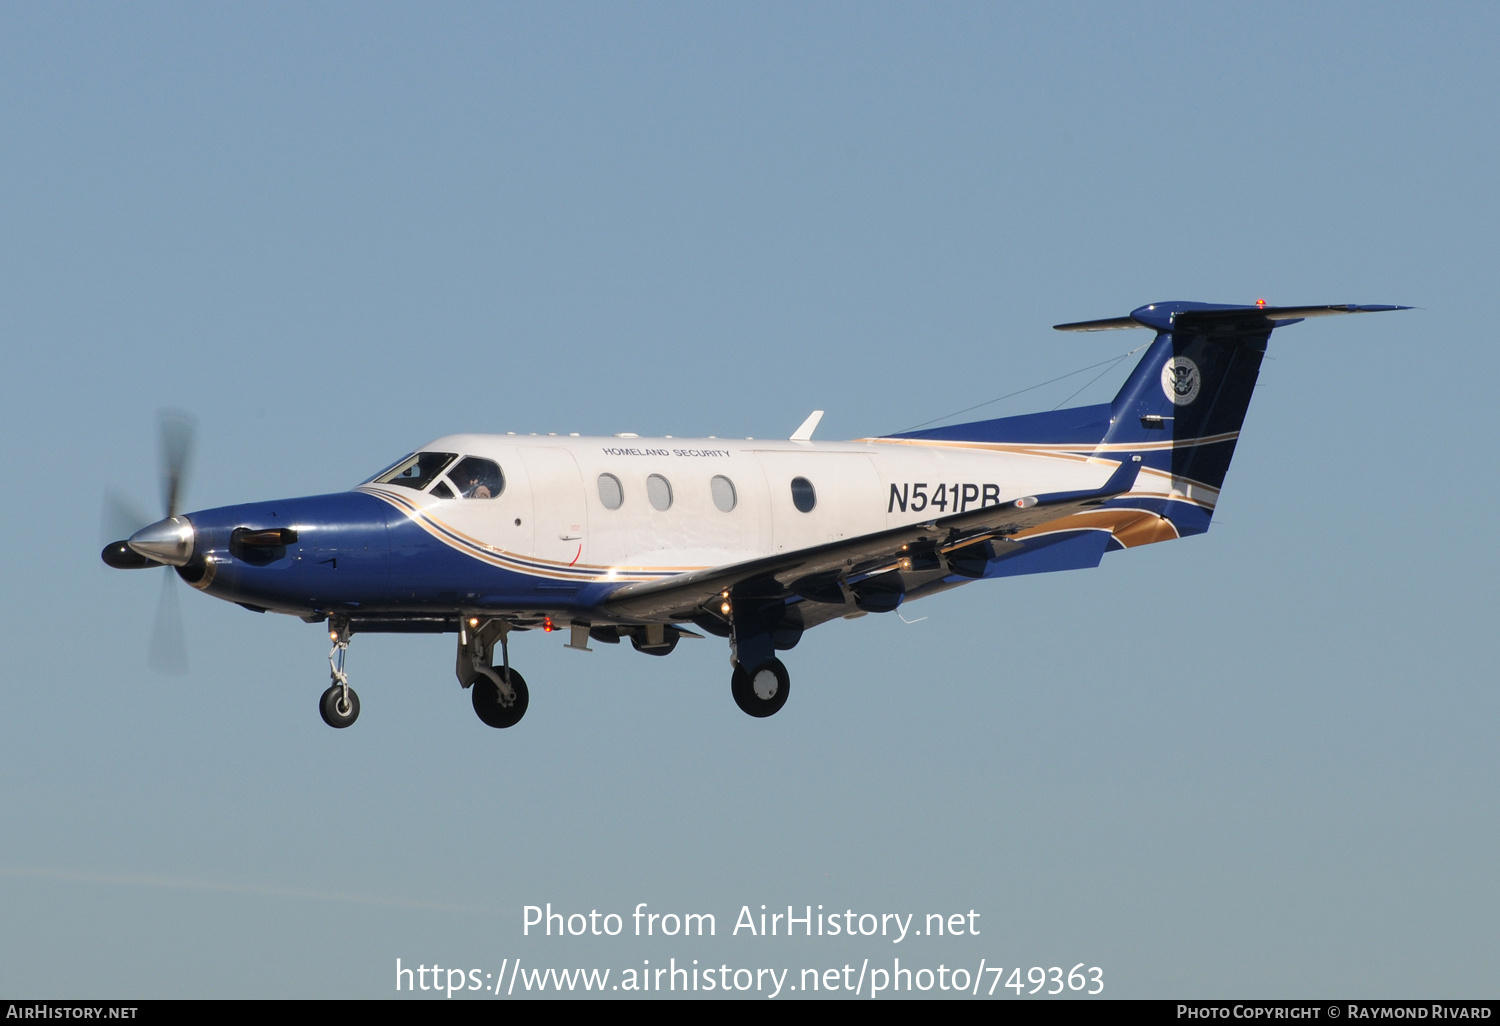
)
(339, 704)
(500, 695)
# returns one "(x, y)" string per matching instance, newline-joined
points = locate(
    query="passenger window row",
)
(475, 478)
(659, 493)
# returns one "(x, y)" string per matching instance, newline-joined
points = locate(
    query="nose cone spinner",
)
(166, 541)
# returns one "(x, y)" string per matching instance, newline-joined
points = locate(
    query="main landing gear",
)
(500, 696)
(339, 704)
(763, 692)
(757, 629)
(491, 704)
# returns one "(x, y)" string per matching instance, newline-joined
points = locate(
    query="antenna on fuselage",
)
(804, 433)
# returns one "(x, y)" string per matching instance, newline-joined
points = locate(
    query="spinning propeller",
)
(166, 543)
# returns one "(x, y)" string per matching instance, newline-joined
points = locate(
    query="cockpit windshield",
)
(387, 469)
(417, 471)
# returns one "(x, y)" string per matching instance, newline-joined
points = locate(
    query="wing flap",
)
(818, 571)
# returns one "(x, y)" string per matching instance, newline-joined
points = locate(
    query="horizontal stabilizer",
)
(1161, 316)
(1107, 324)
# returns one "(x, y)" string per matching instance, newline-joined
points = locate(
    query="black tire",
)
(331, 706)
(487, 704)
(763, 692)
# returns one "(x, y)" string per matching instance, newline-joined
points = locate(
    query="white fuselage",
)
(552, 511)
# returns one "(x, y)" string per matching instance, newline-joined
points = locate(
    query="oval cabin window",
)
(723, 491)
(659, 491)
(804, 496)
(610, 492)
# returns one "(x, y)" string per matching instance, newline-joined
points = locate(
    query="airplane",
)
(622, 537)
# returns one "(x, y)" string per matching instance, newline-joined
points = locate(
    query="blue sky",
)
(1257, 762)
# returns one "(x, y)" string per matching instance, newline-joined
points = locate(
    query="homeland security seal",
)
(1180, 380)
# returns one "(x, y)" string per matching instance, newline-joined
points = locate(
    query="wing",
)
(870, 573)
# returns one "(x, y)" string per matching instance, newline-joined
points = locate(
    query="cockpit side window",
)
(476, 478)
(419, 471)
(386, 470)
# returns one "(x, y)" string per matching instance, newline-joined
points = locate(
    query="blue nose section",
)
(316, 554)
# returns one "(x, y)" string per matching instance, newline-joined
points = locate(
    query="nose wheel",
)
(339, 706)
(763, 692)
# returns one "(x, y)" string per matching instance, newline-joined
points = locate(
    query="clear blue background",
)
(1258, 762)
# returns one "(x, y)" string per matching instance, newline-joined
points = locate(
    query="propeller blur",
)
(166, 543)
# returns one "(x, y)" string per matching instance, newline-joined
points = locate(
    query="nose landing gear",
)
(339, 704)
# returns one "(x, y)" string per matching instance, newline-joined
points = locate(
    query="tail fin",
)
(1186, 399)
(1179, 414)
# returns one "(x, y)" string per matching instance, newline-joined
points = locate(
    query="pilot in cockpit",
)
(475, 489)
(477, 478)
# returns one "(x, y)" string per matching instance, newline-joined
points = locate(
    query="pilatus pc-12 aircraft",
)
(624, 537)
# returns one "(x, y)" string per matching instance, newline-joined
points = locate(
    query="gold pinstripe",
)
(536, 566)
(1087, 454)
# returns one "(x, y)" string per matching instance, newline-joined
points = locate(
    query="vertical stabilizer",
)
(1180, 411)
(1186, 400)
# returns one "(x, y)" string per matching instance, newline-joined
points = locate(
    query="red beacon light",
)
(1260, 304)
(547, 624)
